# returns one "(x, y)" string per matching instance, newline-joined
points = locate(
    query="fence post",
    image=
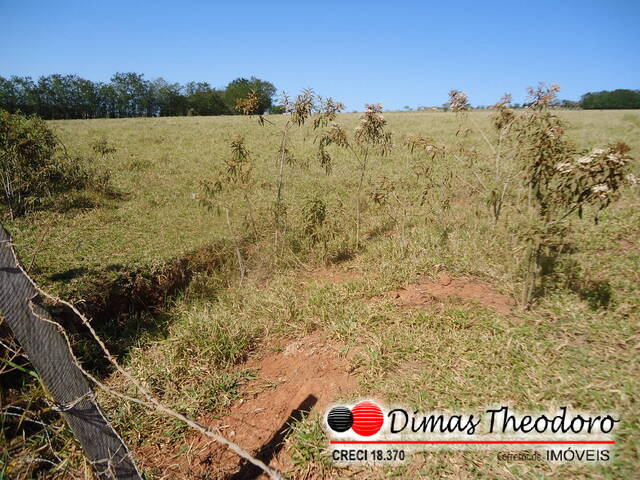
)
(48, 352)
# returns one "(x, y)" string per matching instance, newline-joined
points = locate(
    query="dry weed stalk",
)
(249, 105)
(559, 180)
(495, 174)
(237, 175)
(297, 112)
(328, 112)
(369, 137)
(408, 194)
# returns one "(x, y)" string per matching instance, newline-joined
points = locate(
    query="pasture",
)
(422, 308)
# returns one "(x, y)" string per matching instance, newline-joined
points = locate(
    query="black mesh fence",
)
(48, 352)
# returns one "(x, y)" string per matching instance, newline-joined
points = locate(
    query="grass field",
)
(577, 346)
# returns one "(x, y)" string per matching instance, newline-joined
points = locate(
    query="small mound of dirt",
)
(303, 375)
(467, 290)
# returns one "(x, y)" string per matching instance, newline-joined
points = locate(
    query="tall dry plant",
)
(328, 110)
(560, 181)
(297, 111)
(218, 193)
(412, 191)
(531, 146)
(496, 172)
(369, 137)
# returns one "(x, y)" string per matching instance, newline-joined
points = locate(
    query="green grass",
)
(576, 347)
(159, 164)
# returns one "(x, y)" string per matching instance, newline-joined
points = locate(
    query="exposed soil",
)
(465, 290)
(121, 291)
(330, 275)
(302, 376)
(627, 245)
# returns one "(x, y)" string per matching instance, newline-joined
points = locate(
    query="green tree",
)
(241, 88)
(128, 94)
(169, 98)
(616, 99)
(132, 94)
(204, 100)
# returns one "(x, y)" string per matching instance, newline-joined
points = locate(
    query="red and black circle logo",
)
(366, 419)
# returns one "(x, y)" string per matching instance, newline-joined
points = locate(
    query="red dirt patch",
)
(305, 375)
(330, 275)
(468, 290)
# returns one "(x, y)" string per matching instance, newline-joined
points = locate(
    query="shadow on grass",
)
(598, 294)
(68, 274)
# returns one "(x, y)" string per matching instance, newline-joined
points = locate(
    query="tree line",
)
(616, 99)
(126, 95)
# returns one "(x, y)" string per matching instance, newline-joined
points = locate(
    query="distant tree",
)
(242, 87)
(107, 101)
(19, 94)
(65, 96)
(132, 93)
(194, 87)
(8, 95)
(204, 100)
(170, 101)
(616, 99)
(88, 98)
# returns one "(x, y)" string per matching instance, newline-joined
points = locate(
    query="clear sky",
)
(395, 52)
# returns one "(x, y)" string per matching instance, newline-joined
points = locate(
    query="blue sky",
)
(398, 53)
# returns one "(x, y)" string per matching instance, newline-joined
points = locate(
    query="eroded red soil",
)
(446, 289)
(301, 376)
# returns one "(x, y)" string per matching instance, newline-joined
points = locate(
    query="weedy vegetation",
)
(37, 172)
(540, 204)
(236, 175)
